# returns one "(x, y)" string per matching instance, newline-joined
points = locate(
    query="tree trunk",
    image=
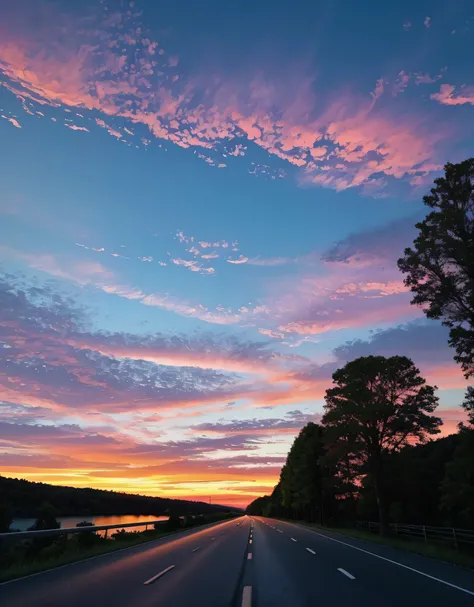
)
(382, 504)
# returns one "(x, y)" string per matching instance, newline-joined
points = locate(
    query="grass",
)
(74, 552)
(434, 551)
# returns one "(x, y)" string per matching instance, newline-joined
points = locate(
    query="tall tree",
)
(440, 266)
(301, 480)
(377, 406)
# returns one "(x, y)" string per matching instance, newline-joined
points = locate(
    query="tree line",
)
(25, 499)
(373, 455)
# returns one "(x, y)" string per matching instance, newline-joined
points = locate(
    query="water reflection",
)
(23, 524)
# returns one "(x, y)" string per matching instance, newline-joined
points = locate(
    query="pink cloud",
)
(13, 121)
(74, 127)
(239, 260)
(109, 129)
(270, 333)
(448, 96)
(423, 78)
(340, 146)
(401, 83)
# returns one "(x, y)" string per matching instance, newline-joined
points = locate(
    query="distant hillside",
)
(25, 498)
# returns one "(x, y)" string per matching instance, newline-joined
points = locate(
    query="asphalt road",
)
(248, 562)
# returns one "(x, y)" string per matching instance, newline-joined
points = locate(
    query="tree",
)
(6, 517)
(440, 266)
(468, 405)
(458, 485)
(377, 406)
(301, 480)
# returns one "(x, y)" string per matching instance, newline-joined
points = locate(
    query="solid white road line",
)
(247, 596)
(196, 549)
(155, 577)
(249, 556)
(351, 577)
(293, 539)
(309, 550)
(383, 558)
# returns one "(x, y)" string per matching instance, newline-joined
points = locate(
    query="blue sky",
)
(202, 208)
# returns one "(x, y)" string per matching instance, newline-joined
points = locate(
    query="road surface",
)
(248, 562)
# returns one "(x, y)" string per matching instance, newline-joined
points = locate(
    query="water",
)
(22, 524)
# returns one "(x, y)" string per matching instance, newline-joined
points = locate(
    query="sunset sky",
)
(202, 205)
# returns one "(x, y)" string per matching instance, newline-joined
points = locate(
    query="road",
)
(248, 562)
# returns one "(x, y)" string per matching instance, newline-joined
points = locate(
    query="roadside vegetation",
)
(24, 557)
(374, 456)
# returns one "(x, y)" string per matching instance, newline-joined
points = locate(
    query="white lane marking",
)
(293, 539)
(279, 530)
(309, 550)
(196, 549)
(383, 558)
(250, 540)
(249, 556)
(155, 577)
(350, 576)
(212, 538)
(247, 596)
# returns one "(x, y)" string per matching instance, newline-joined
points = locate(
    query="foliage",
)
(306, 485)
(468, 404)
(46, 518)
(377, 406)
(458, 485)
(440, 266)
(6, 516)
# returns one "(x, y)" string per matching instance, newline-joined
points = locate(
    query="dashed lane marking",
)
(346, 573)
(158, 575)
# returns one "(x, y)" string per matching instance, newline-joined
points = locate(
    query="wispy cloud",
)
(241, 259)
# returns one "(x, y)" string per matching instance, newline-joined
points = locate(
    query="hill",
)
(25, 497)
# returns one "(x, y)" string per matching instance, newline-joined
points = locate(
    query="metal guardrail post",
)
(369, 527)
(455, 538)
(424, 533)
(396, 528)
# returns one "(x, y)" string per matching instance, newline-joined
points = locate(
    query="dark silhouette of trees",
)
(304, 485)
(27, 497)
(458, 485)
(440, 266)
(6, 516)
(377, 406)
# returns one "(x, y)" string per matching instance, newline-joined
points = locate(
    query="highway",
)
(248, 562)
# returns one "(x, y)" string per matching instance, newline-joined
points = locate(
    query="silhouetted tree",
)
(377, 406)
(440, 266)
(301, 479)
(458, 485)
(6, 516)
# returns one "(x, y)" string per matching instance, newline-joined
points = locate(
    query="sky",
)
(202, 206)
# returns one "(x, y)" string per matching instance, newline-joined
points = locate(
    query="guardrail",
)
(20, 535)
(458, 538)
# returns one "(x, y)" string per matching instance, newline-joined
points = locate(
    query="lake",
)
(22, 524)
